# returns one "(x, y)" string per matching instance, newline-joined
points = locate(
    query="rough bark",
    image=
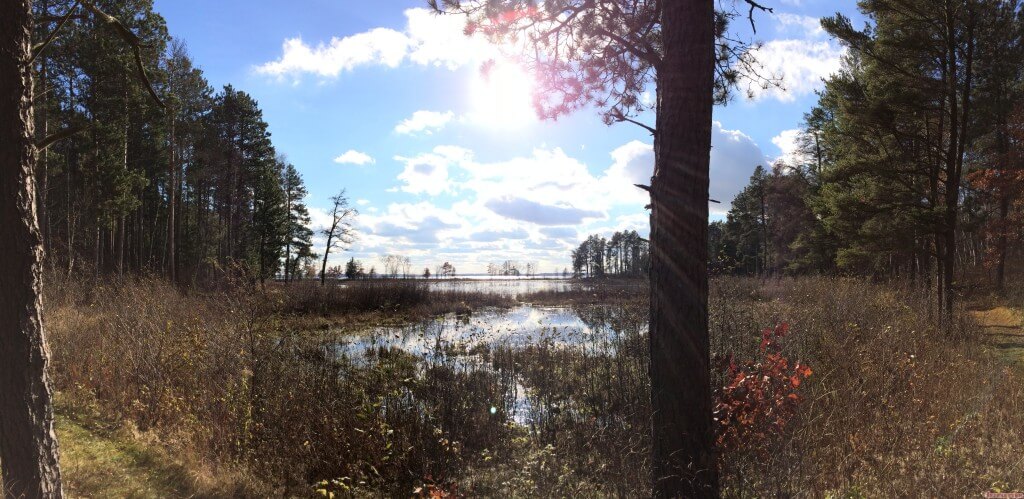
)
(683, 450)
(28, 445)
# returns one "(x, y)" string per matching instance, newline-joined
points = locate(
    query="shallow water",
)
(518, 327)
(509, 286)
(466, 342)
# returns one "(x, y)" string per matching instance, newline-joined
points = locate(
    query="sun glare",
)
(502, 97)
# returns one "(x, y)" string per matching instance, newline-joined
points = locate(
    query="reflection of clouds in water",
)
(517, 327)
(466, 343)
(588, 328)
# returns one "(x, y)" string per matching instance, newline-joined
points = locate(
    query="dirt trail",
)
(1003, 328)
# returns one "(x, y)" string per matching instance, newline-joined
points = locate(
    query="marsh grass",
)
(895, 406)
(409, 298)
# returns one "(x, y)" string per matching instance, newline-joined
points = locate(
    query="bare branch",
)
(132, 40)
(59, 135)
(618, 116)
(38, 49)
(750, 15)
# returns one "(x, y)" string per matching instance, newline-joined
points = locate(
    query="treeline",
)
(624, 254)
(192, 189)
(911, 162)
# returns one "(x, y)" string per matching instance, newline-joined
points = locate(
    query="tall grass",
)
(895, 407)
(411, 297)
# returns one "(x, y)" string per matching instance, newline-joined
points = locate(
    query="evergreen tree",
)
(299, 239)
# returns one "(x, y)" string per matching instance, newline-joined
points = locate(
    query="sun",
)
(502, 96)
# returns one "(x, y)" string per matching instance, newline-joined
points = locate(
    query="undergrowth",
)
(863, 396)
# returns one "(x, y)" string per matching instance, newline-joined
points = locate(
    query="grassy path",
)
(1004, 331)
(99, 462)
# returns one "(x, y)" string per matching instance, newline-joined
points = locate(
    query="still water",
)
(473, 342)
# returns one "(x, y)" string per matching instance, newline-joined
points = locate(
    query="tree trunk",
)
(683, 448)
(28, 445)
(1001, 243)
(172, 181)
(327, 251)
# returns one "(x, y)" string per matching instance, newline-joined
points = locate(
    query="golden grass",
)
(895, 407)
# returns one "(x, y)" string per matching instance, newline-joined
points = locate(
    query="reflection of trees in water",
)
(581, 386)
(589, 398)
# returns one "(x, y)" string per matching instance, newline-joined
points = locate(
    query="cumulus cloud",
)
(734, 155)
(423, 231)
(427, 40)
(800, 65)
(428, 173)
(533, 206)
(807, 25)
(424, 121)
(788, 142)
(541, 214)
(354, 157)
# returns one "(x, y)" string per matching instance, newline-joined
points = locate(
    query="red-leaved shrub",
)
(760, 396)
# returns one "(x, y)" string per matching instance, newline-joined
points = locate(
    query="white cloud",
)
(427, 40)
(378, 46)
(799, 64)
(428, 173)
(424, 121)
(517, 208)
(808, 25)
(788, 142)
(734, 155)
(533, 207)
(354, 157)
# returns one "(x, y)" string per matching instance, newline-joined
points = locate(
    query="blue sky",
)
(387, 101)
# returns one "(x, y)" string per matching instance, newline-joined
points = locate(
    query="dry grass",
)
(895, 407)
(392, 297)
(592, 292)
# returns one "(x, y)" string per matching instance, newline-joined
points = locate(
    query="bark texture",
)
(683, 448)
(28, 446)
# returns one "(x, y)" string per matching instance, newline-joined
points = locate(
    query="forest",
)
(185, 183)
(187, 312)
(907, 167)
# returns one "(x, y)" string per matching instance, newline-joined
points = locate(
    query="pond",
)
(512, 343)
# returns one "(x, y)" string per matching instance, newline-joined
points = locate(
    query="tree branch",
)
(38, 49)
(59, 135)
(750, 15)
(132, 40)
(648, 57)
(621, 117)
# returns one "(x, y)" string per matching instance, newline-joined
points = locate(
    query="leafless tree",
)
(341, 232)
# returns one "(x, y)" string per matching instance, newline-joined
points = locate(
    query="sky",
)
(387, 101)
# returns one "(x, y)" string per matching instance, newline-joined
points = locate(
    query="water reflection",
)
(519, 327)
(523, 346)
(510, 287)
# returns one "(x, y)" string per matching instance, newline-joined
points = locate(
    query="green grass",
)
(104, 462)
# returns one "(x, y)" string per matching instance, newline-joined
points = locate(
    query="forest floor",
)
(99, 461)
(101, 458)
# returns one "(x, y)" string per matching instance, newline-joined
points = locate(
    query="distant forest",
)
(624, 254)
(191, 191)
